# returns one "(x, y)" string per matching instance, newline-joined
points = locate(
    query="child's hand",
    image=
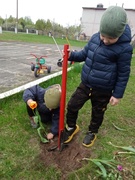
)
(69, 53)
(114, 101)
(32, 104)
(50, 136)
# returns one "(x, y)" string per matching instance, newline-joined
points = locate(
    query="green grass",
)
(33, 38)
(20, 145)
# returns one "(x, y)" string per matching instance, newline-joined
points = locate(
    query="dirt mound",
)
(67, 160)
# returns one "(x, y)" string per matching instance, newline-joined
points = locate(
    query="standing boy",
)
(105, 72)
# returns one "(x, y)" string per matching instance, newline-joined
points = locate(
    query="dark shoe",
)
(68, 135)
(34, 122)
(89, 139)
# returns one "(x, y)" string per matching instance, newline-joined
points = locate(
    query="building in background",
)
(91, 16)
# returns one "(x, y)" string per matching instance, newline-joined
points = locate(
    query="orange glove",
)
(33, 104)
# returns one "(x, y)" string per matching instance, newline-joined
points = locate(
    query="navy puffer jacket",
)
(106, 68)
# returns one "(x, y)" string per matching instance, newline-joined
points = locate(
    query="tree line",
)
(44, 27)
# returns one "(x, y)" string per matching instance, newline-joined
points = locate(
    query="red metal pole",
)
(63, 94)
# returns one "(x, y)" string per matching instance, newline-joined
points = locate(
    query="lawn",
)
(33, 38)
(20, 146)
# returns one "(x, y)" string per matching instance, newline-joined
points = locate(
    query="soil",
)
(64, 158)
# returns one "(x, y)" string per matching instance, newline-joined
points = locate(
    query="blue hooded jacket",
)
(106, 67)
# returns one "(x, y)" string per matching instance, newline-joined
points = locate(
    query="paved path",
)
(15, 62)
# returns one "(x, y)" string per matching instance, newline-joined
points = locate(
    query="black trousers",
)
(99, 101)
(45, 116)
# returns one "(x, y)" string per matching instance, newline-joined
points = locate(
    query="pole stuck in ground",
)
(61, 144)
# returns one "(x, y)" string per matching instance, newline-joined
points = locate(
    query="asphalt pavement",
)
(15, 62)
